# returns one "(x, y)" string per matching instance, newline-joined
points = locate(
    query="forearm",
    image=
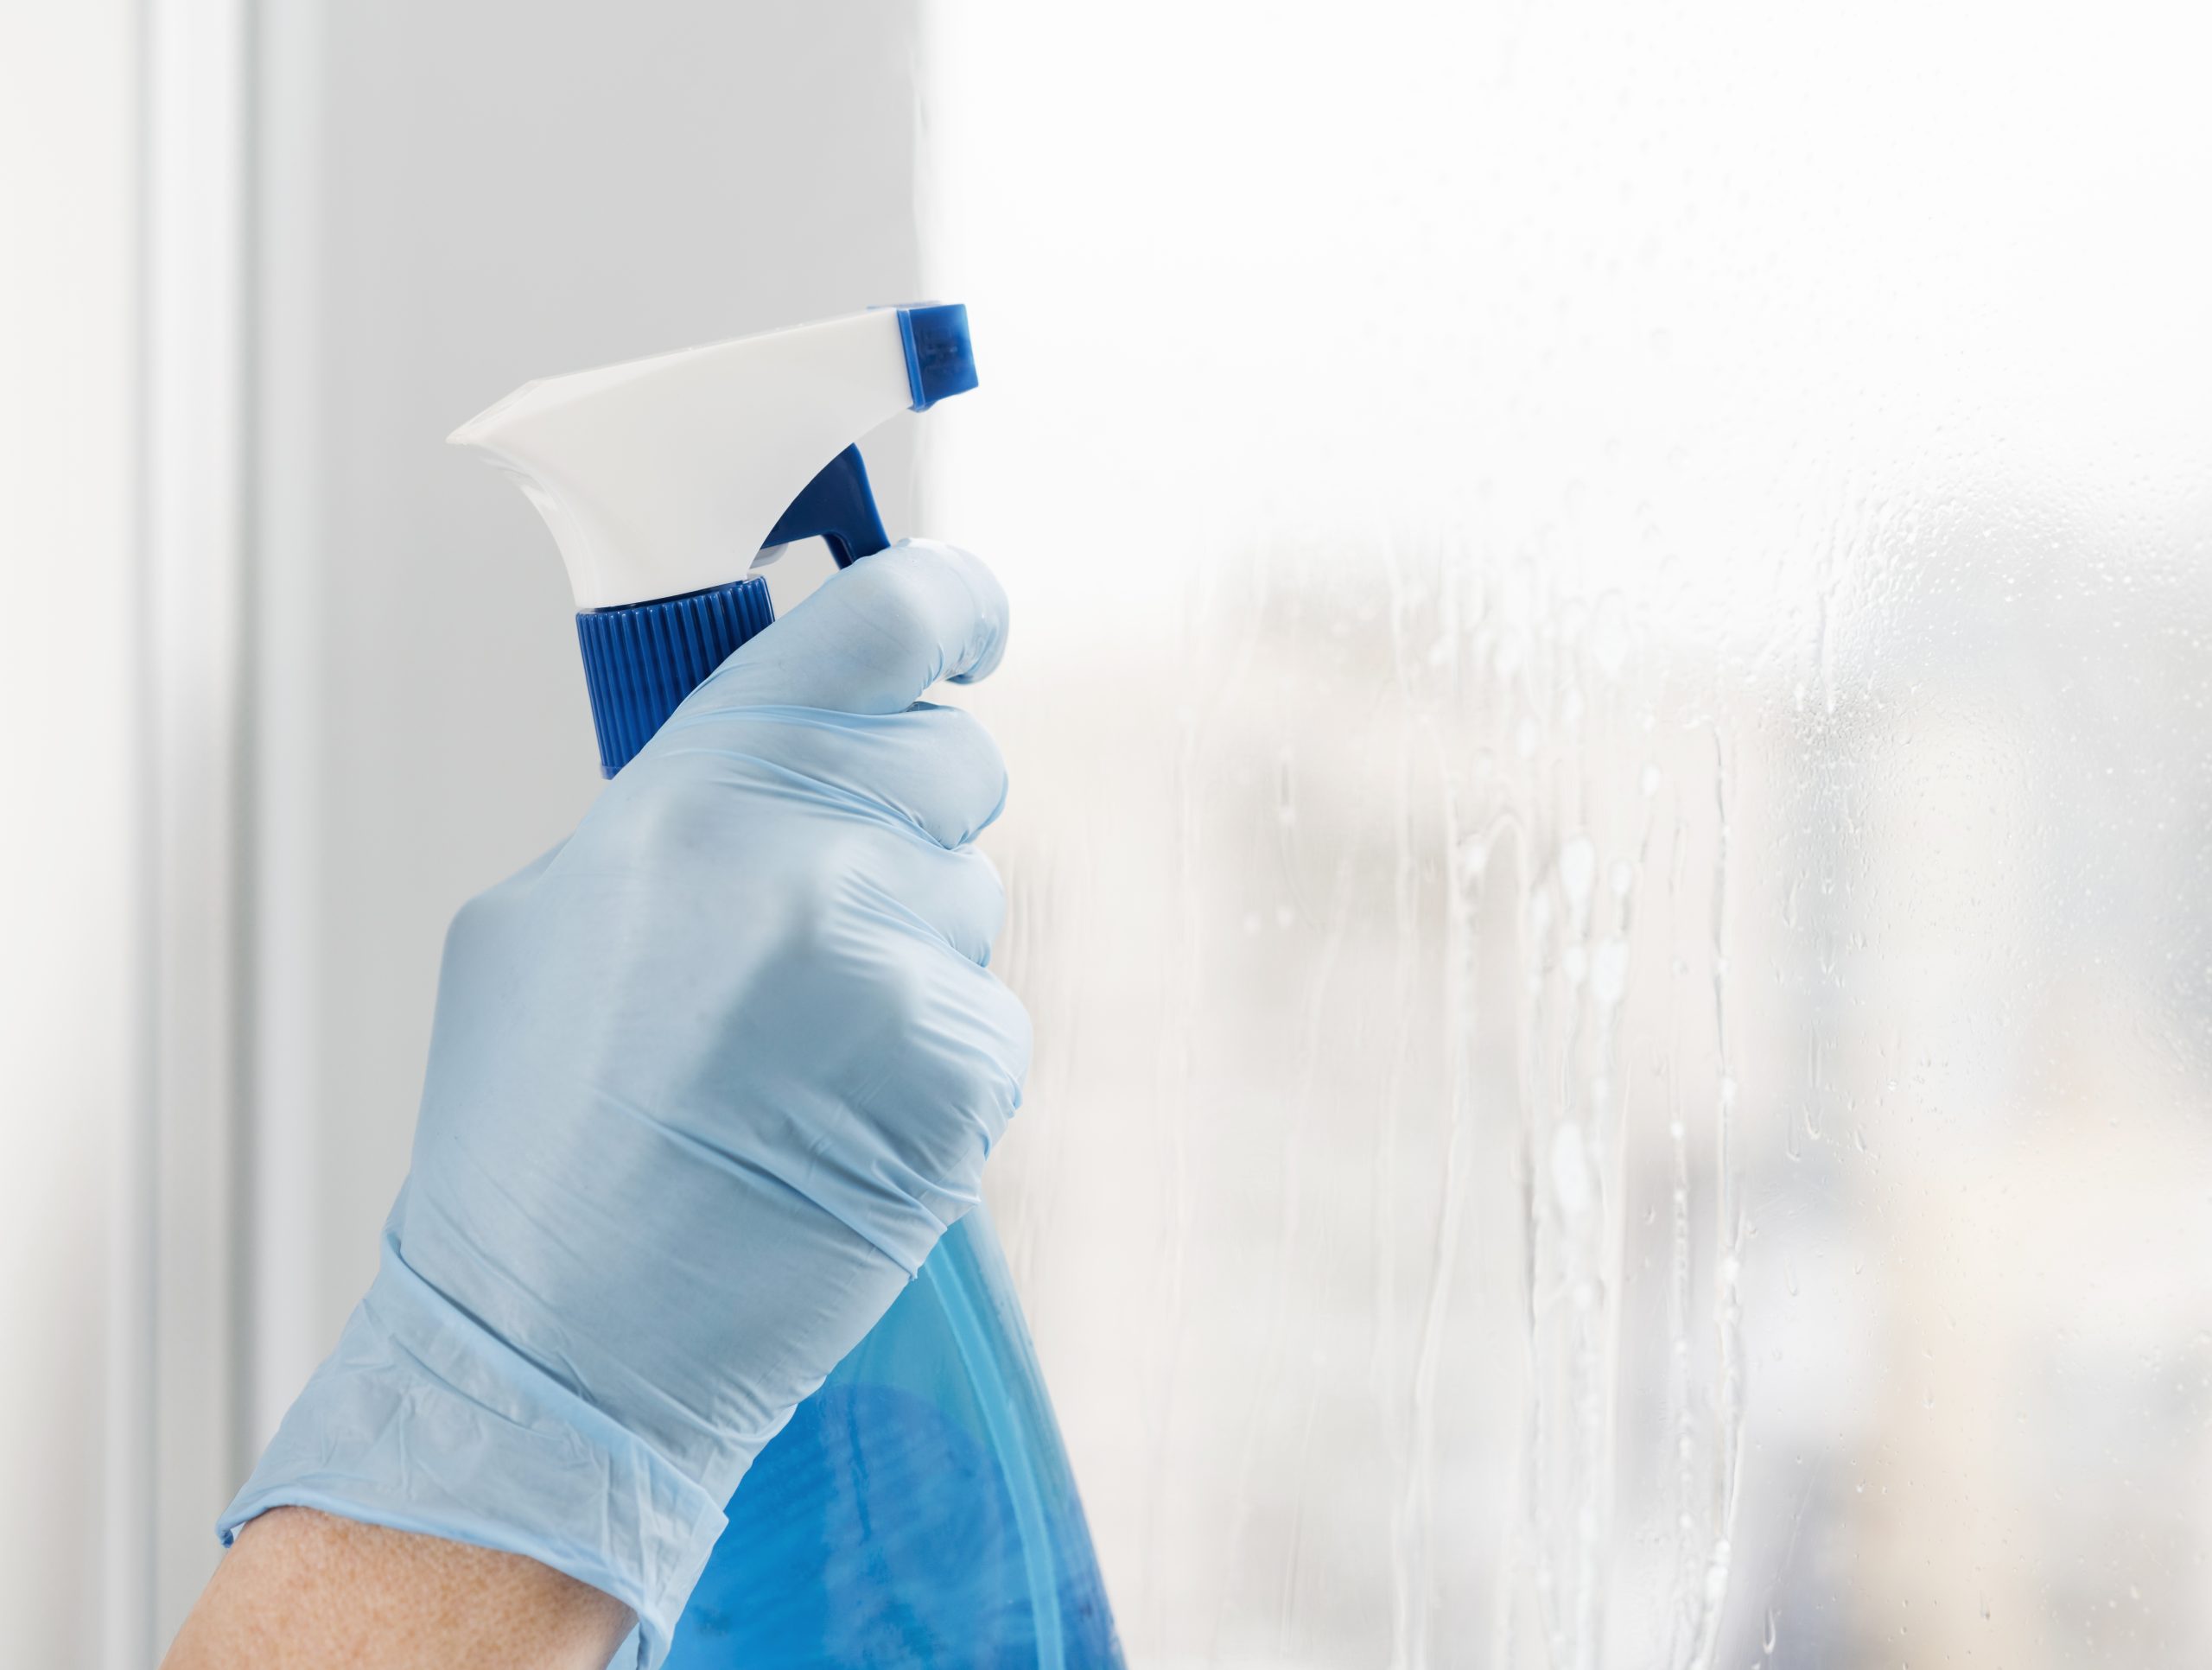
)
(300, 1588)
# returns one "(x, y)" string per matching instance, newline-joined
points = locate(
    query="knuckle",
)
(963, 755)
(987, 877)
(671, 818)
(904, 999)
(972, 740)
(962, 747)
(816, 894)
(983, 896)
(1020, 1040)
(900, 602)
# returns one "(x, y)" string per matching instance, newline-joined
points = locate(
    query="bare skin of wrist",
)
(299, 1589)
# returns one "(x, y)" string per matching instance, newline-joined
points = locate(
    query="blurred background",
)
(1608, 717)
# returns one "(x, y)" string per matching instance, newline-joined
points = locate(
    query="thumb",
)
(872, 638)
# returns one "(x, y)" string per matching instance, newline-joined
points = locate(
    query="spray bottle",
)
(917, 1509)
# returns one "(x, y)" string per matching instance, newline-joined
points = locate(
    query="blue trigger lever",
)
(642, 659)
(838, 508)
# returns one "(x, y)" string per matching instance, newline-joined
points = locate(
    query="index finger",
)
(873, 637)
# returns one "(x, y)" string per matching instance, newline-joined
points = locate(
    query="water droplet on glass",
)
(1570, 1167)
(1609, 971)
(1578, 867)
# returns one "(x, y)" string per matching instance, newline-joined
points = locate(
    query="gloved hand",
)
(707, 1083)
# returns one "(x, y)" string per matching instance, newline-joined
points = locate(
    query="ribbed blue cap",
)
(640, 661)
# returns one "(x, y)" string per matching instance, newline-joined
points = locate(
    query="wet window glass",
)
(1611, 819)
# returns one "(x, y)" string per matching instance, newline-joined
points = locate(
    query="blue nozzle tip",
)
(940, 359)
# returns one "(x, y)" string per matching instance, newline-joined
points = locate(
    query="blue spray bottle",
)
(918, 1510)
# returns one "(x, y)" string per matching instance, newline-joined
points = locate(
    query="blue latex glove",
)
(707, 1083)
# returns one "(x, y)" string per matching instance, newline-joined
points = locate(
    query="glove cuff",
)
(419, 1418)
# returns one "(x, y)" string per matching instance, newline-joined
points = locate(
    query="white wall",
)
(72, 1439)
(1606, 849)
(286, 678)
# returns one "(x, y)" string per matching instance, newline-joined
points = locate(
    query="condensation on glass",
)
(1611, 814)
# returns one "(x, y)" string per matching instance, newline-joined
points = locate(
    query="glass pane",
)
(1608, 726)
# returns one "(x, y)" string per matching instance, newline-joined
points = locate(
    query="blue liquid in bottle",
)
(918, 1510)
